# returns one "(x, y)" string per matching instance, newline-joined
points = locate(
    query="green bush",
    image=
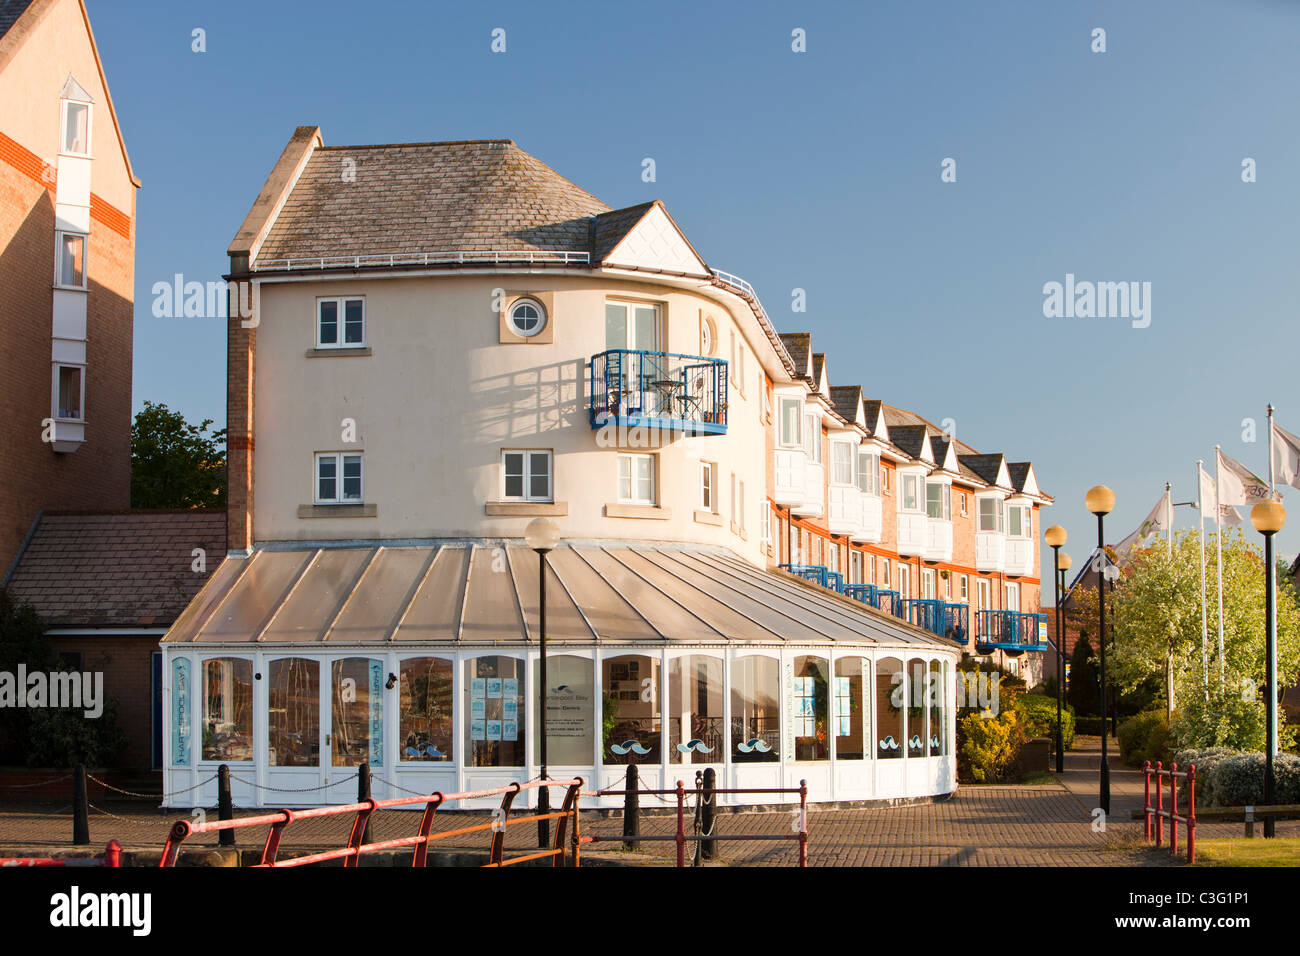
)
(1205, 760)
(1238, 780)
(988, 747)
(1037, 715)
(1146, 737)
(1091, 726)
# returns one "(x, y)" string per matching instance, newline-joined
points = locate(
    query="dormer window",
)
(938, 500)
(990, 515)
(1018, 521)
(790, 422)
(842, 463)
(812, 439)
(74, 125)
(868, 473)
(911, 493)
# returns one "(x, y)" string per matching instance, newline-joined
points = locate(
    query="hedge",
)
(1228, 778)
(1037, 714)
(1146, 737)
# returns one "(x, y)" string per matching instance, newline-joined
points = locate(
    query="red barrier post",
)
(803, 823)
(1146, 799)
(421, 855)
(113, 854)
(681, 824)
(1191, 814)
(1173, 808)
(1160, 804)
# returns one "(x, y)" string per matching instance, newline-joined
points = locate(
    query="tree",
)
(175, 464)
(1158, 630)
(1084, 678)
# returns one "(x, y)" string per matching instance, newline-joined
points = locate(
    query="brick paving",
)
(1047, 825)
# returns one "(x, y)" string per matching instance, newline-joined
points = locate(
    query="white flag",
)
(1286, 457)
(1159, 521)
(1239, 485)
(1229, 515)
(1209, 503)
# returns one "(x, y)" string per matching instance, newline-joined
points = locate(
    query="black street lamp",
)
(1061, 568)
(1055, 536)
(1101, 502)
(1268, 517)
(542, 535)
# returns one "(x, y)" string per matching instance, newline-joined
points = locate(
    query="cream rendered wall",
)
(30, 85)
(440, 397)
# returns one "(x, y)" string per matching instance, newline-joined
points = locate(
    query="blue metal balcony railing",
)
(1011, 631)
(816, 573)
(880, 598)
(939, 617)
(638, 389)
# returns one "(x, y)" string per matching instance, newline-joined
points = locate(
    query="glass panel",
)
(916, 685)
(1013, 521)
(910, 493)
(327, 472)
(539, 466)
(357, 723)
(570, 710)
(228, 709)
(73, 264)
(889, 708)
(353, 321)
(647, 328)
(809, 708)
(352, 477)
(937, 693)
(615, 326)
(695, 710)
(494, 726)
(755, 709)
(789, 422)
(706, 487)
(75, 129)
(625, 478)
(329, 322)
(69, 392)
(514, 474)
(645, 479)
(631, 722)
(852, 675)
(425, 710)
(933, 499)
(842, 463)
(293, 713)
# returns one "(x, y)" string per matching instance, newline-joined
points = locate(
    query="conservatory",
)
(296, 665)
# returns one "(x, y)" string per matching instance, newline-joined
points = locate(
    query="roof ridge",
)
(442, 142)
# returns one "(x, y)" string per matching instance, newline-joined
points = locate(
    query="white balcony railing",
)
(1020, 555)
(990, 551)
(869, 531)
(911, 533)
(814, 491)
(845, 515)
(789, 485)
(938, 539)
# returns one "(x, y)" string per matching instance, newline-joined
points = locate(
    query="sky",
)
(822, 171)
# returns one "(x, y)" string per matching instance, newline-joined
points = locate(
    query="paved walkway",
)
(1048, 825)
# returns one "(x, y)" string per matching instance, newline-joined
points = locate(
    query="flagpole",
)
(1218, 544)
(1271, 663)
(1169, 521)
(1200, 534)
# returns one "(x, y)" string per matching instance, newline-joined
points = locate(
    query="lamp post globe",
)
(1100, 500)
(1269, 517)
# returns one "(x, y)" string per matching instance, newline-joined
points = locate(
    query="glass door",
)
(645, 376)
(294, 738)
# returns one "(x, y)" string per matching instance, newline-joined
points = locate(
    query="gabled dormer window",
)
(842, 463)
(74, 121)
(990, 515)
(868, 473)
(790, 419)
(938, 500)
(911, 493)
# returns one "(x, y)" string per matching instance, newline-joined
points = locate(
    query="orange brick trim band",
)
(36, 169)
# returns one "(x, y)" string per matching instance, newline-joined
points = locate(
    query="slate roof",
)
(872, 409)
(845, 399)
(463, 196)
(124, 569)
(984, 466)
(10, 11)
(798, 344)
(910, 438)
(1019, 471)
(612, 226)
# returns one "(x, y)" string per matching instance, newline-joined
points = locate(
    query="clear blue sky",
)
(818, 170)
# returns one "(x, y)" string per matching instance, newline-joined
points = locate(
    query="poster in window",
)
(477, 709)
(509, 730)
(377, 713)
(494, 687)
(494, 730)
(180, 712)
(511, 709)
(477, 688)
(477, 730)
(510, 686)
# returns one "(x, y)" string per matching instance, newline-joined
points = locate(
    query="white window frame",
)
(740, 504)
(868, 476)
(965, 589)
(884, 481)
(918, 494)
(632, 498)
(965, 510)
(63, 125)
(527, 474)
(543, 318)
(59, 236)
(945, 500)
(338, 457)
(904, 580)
(928, 583)
(846, 449)
(708, 500)
(984, 594)
(812, 439)
(81, 399)
(998, 514)
(1013, 588)
(340, 302)
(1026, 521)
(783, 439)
(884, 565)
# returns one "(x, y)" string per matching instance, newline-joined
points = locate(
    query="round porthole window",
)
(527, 317)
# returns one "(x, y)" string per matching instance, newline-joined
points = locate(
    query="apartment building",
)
(451, 341)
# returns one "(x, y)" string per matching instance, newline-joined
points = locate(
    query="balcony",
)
(814, 491)
(938, 539)
(660, 390)
(845, 510)
(817, 574)
(990, 550)
(939, 617)
(882, 599)
(1020, 555)
(789, 485)
(869, 530)
(1011, 631)
(911, 533)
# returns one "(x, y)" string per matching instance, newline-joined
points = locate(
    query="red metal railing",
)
(112, 857)
(1159, 814)
(800, 833)
(280, 820)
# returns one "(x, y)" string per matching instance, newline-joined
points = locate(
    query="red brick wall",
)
(241, 345)
(126, 663)
(97, 475)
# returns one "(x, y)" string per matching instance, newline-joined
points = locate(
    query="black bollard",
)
(543, 826)
(80, 806)
(225, 805)
(363, 794)
(706, 812)
(631, 808)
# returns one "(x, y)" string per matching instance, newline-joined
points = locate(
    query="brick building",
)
(67, 260)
